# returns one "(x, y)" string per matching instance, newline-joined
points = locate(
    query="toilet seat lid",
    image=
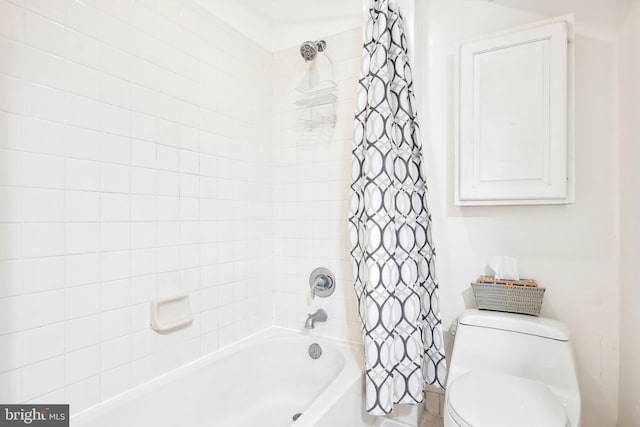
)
(489, 399)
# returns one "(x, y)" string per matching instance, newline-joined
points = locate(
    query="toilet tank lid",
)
(531, 325)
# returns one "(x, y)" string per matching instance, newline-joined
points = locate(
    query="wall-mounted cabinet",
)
(514, 141)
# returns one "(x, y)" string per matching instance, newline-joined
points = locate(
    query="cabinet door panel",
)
(512, 135)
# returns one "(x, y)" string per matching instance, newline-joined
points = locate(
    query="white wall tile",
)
(189, 232)
(11, 354)
(189, 257)
(81, 237)
(115, 294)
(143, 153)
(143, 127)
(208, 143)
(11, 21)
(42, 343)
(143, 235)
(43, 136)
(208, 165)
(115, 91)
(11, 277)
(143, 289)
(189, 136)
(11, 131)
(116, 323)
(83, 394)
(12, 390)
(82, 49)
(169, 131)
(115, 120)
(85, 19)
(114, 236)
(42, 308)
(45, 34)
(43, 274)
(42, 377)
(189, 185)
(82, 332)
(143, 208)
(114, 265)
(140, 317)
(82, 364)
(41, 67)
(82, 269)
(168, 233)
(115, 207)
(115, 61)
(114, 148)
(189, 162)
(82, 206)
(168, 208)
(115, 381)
(168, 183)
(82, 175)
(83, 112)
(42, 239)
(168, 260)
(81, 80)
(40, 205)
(10, 204)
(12, 307)
(11, 95)
(114, 178)
(143, 262)
(143, 181)
(44, 103)
(43, 171)
(82, 301)
(168, 158)
(82, 143)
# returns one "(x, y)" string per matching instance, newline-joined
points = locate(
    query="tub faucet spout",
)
(319, 316)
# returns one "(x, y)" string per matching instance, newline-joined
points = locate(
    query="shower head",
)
(309, 50)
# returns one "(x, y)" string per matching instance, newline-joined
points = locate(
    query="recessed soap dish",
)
(171, 313)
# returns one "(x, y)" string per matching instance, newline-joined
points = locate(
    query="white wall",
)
(629, 54)
(134, 163)
(572, 250)
(311, 191)
(279, 24)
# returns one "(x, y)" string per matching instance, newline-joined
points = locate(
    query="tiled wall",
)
(311, 189)
(134, 163)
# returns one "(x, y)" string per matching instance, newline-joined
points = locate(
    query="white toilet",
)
(511, 370)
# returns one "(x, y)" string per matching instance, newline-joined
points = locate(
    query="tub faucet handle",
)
(321, 282)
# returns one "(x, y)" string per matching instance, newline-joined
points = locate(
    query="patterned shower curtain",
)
(390, 226)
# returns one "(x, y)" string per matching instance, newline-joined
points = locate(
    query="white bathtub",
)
(261, 381)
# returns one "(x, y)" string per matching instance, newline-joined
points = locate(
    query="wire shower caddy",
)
(316, 102)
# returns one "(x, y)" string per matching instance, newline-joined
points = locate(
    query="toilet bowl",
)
(511, 370)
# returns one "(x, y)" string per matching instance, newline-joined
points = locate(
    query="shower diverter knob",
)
(322, 282)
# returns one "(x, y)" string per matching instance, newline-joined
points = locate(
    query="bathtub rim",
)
(350, 372)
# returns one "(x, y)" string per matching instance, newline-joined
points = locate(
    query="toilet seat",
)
(489, 399)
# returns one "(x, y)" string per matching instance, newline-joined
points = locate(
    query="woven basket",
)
(512, 299)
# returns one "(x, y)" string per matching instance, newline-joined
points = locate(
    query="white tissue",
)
(504, 267)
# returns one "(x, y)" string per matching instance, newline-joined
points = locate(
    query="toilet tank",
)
(513, 344)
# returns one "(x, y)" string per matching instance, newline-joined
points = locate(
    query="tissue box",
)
(511, 299)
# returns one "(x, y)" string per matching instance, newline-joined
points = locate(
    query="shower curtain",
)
(390, 226)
